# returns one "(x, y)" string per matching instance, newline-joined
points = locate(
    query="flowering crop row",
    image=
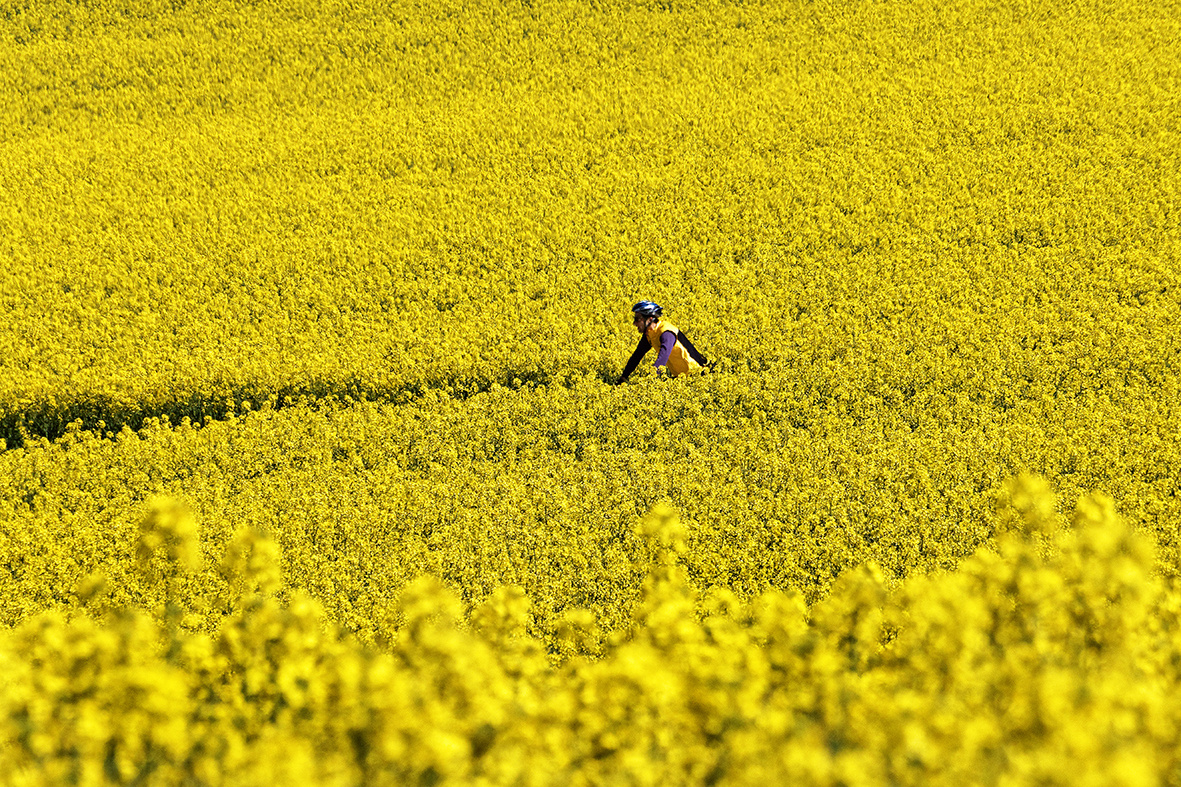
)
(781, 486)
(1052, 660)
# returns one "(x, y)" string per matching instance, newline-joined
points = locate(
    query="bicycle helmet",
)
(647, 309)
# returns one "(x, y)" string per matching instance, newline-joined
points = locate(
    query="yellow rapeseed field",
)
(314, 468)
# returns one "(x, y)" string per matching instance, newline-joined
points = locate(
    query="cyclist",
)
(675, 355)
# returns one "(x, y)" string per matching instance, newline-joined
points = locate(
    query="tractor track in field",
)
(43, 419)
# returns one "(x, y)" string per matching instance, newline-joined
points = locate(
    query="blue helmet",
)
(647, 309)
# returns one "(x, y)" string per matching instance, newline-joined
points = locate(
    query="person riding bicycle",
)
(676, 354)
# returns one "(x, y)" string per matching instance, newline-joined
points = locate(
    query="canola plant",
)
(314, 470)
(1052, 659)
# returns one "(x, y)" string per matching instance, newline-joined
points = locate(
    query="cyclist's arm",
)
(641, 350)
(693, 353)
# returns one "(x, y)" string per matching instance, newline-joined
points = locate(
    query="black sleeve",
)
(693, 353)
(641, 350)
